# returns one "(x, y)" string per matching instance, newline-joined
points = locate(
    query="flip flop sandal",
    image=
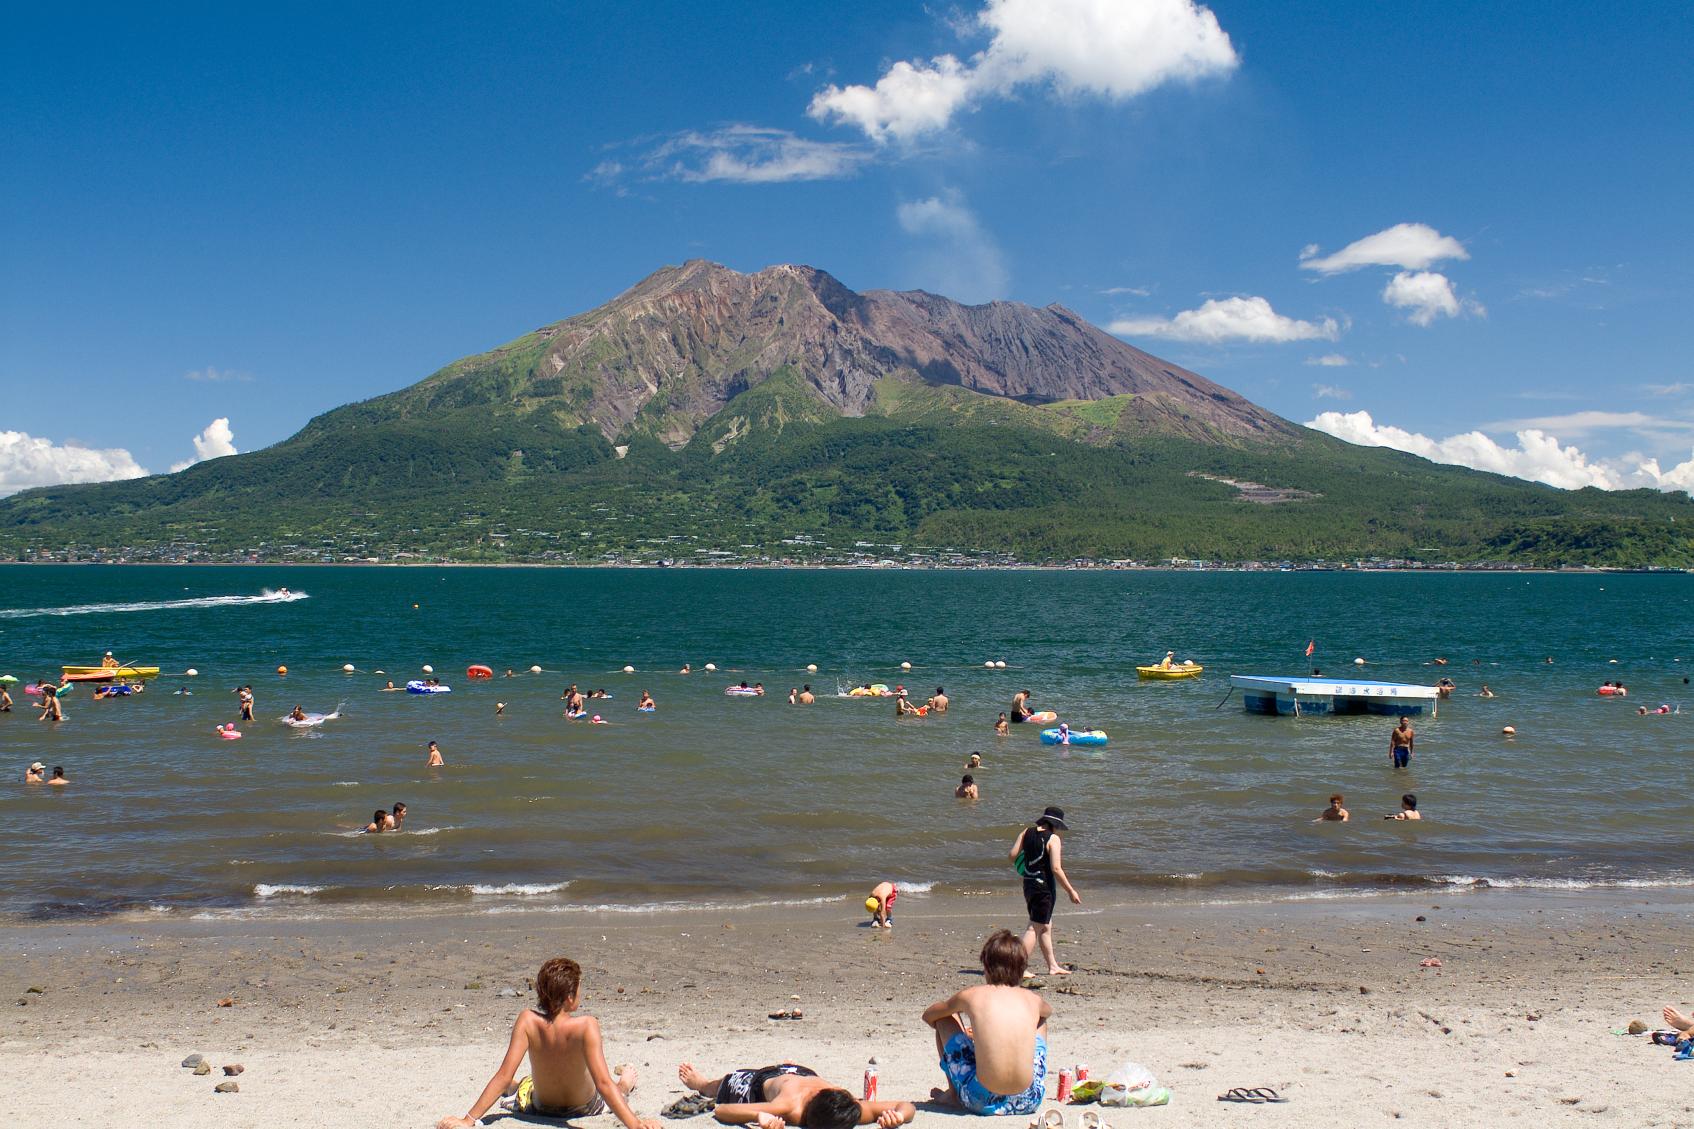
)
(1261, 1095)
(1053, 1119)
(1091, 1120)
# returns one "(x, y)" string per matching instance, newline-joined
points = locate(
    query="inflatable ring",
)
(478, 671)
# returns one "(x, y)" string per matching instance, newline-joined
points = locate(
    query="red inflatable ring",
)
(478, 672)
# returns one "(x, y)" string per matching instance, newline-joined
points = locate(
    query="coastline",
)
(361, 1019)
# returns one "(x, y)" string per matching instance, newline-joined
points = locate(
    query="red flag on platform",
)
(1311, 646)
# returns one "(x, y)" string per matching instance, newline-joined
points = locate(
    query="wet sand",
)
(399, 1020)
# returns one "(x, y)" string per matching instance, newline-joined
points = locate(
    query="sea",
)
(717, 800)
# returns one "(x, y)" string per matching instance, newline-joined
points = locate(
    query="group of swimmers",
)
(991, 1039)
(387, 820)
(1336, 813)
(35, 774)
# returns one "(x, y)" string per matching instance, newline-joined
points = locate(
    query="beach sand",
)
(398, 1020)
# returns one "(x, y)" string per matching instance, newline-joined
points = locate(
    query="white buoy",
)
(1614, 662)
(1509, 731)
(905, 666)
(1358, 662)
(427, 669)
(191, 673)
(989, 664)
(629, 670)
(535, 670)
(711, 666)
(811, 668)
(347, 668)
(999, 664)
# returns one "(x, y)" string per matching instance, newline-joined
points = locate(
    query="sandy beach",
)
(398, 1020)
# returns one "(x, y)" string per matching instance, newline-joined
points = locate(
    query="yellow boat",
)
(113, 671)
(1170, 673)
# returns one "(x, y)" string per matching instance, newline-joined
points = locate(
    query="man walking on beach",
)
(1400, 744)
(1000, 1066)
(1036, 854)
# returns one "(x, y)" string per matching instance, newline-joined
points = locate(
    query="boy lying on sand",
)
(569, 1076)
(777, 1096)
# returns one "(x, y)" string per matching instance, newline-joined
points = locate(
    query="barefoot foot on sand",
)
(1059, 971)
(624, 1073)
(691, 1077)
(1677, 1020)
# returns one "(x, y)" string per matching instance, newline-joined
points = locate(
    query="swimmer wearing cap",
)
(33, 774)
(880, 905)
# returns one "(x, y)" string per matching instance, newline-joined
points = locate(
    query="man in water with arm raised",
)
(998, 1066)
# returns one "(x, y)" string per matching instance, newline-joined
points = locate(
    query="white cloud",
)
(1104, 48)
(210, 375)
(1409, 246)
(1329, 360)
(216, 441)
(1538, 456)
(738, 154)
(1229, 319)
(961, 260)
(1138, 291)
(1427, 295)
(1679, 389)
(26, 461)
(1330, 392)
(1581, 423)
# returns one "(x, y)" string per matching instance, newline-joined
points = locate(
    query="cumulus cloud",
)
(1329, 360)
(1229, 319)
(216, 441)
(1409, 246)
(958, 258)
(26, 460)
(1538, 456)
(1099, 48)
(1427, 295)
(1330, 392)
(1678, 389)
(738, 154)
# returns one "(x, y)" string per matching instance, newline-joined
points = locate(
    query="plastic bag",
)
(1133, 1085)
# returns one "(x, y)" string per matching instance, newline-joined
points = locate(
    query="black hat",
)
(1054, 817)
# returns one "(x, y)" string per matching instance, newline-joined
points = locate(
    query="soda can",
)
(870, 1084)
(1065, 1085)
(1082, 1072)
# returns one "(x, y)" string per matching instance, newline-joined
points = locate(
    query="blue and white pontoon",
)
(1302, 696)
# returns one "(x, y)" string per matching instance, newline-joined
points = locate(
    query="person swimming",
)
(298, 713)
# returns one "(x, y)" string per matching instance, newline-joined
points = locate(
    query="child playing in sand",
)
(776, 1096)
(998, 1065)
(569, 1076)
(881, 905)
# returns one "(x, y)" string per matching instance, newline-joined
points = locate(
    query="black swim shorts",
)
(1038, 896)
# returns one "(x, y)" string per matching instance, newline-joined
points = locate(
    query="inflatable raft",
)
(419, 686)
(1078, 737)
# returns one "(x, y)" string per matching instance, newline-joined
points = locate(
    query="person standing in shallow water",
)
(1400, 744)
(1037, 855)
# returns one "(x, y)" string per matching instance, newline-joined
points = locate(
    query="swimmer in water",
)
(33, 774)
(389, 687)
(394, 822)
(297, 714)
(975, 761)
(5, 700)
(793, 696)
(510, 673)
(435, 758)
(806, 695)
(758, 688)
(379, 820)
(1001, 728)
(1020, 707)
(904, 708)
(646, 702)
(686, 669)
(939, 702)
(1408, 808)
(966, 789)
(1334, 813)
(58, 778)
(499, 708)
(1485, 692)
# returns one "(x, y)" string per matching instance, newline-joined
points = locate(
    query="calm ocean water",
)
(722, 800)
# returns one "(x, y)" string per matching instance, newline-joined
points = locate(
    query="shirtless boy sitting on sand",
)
(776, 1096)
(569, 1076)
(998, 1065)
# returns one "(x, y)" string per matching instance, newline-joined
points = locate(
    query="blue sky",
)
(1462, 230)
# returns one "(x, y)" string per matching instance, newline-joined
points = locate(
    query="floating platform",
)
(1302, 696)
